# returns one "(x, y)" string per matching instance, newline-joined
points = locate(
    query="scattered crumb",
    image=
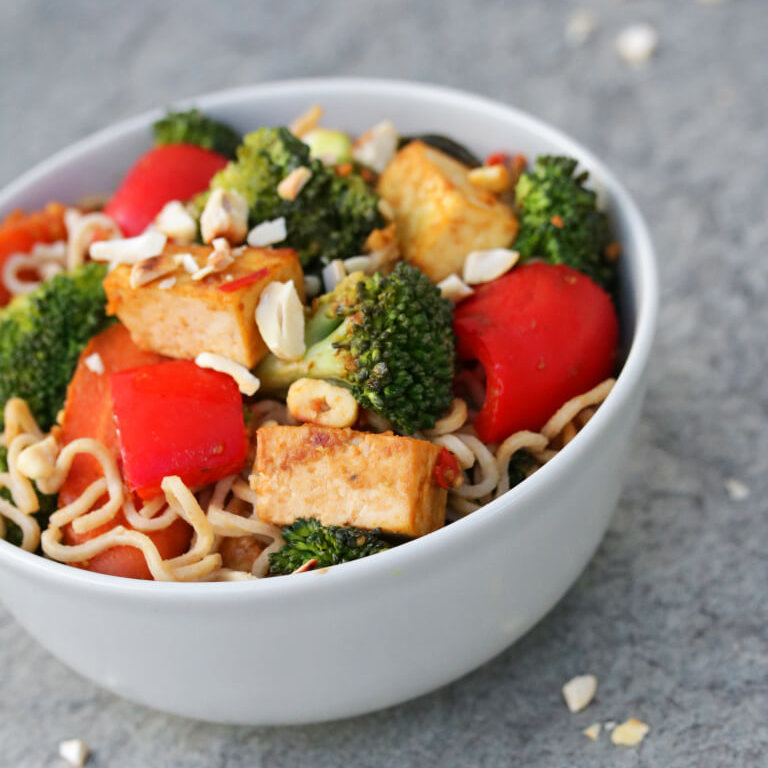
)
(579, 27)
(579, 692)
(736, 490)
(94, 363)
(609, 725)
(637, 43)
(74, 751)
(629, 733)
(593, 731)
(167, 284)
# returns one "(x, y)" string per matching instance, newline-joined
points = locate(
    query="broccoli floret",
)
(193, 127)
(559, 219)
(521, 464)
(42, 334)
(329, 219)
(48, 505)
(306, 539)
(391, 342)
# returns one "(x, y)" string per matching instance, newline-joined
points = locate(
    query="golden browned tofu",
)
(214, 314)
(440, 215)
(344, 477)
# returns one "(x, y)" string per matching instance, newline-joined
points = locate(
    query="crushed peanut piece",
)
(268, 233)
(637, 43)
(593, 731)
(167, 284)
(202, 273)
(358, 264)
(315, 401)
(129, 250)
(736, 490)
(74, 751)
(280, 320)
(225, 215)
(221, 257)
(630, 733)
(493, 178)
(484, 266)
(333, 274)
(579, 692)
(307, 121)
(175, 221)
(293, 183)
(150, 269)
(454, 289)
(188, 261)
(376, 147)
(246, 382)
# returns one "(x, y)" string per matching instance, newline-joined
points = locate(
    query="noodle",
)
(489, 465)
(30, 530)
(570, 410)
(530, 441)
(453, 420)
(228, 509)
(143, 523)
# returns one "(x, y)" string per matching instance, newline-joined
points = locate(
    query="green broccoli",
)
(329, 219)
(391, 342)
(521, 464)
(42, 334)
(307, 539)
(193, 127)
(48, 505)
(559, 219)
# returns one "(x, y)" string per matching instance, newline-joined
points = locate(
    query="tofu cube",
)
(440, 215)
(344, 477)
(194, 316)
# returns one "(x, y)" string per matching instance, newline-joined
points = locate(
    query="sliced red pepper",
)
(169, 172)
(241, 282)
(498, 158)
(446, 470)
(543, 333)
(175, 418)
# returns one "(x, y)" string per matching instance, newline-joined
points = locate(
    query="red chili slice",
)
(446, 469)
(241, 282)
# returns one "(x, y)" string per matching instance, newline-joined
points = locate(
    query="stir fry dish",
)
(269, 353)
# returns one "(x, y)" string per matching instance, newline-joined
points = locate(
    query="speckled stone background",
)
(672, 614)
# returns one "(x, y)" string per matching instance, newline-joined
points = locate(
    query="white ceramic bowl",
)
(375, 632)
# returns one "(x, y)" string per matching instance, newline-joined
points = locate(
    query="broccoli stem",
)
(323, 360)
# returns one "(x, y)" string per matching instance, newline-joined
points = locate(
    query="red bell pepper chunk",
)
(543, 333)
(89, 413)
(165, 173)
(175, 418)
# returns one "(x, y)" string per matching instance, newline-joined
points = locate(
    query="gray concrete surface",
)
(671, 614)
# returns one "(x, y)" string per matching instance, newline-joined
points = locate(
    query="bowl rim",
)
(385, 563)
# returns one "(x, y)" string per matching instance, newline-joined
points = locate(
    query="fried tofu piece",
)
(440, 215)
(193, 316)
(344, 477)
